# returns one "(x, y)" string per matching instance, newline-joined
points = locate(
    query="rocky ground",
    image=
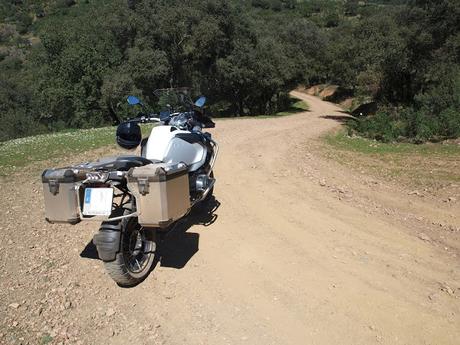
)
(300, 249)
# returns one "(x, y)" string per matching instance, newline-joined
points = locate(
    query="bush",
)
(265, 4)
(382, 126)
(24, 21)
(7, 32)
(409, 124)
(434, 114)
(65, 3)
(17, 123)
(450, 122)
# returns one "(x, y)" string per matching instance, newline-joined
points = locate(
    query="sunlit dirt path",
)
(283, 262)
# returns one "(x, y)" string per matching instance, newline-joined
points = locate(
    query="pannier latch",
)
(143, 184)
(54, 186)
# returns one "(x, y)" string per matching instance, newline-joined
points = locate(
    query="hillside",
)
(68, 64)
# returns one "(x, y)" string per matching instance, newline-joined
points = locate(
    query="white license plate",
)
(98, 202)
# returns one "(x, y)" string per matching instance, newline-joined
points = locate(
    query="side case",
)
(161, 191)
(60, 194)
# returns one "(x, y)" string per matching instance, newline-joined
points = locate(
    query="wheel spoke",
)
(136, 249)
(136, 255)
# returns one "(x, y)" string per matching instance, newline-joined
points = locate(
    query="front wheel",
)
(137, 254)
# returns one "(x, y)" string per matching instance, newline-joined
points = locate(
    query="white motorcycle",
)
(138, 196)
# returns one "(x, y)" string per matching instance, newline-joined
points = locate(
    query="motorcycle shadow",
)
(175, 246)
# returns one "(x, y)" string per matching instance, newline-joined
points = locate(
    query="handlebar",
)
(145, 118)
(152, 117)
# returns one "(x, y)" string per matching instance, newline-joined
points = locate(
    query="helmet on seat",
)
(129, 135)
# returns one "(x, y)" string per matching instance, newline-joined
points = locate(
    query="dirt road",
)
(296, 253)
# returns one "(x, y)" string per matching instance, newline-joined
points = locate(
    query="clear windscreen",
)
(174, 100)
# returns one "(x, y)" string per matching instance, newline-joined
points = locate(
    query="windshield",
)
(174, 99)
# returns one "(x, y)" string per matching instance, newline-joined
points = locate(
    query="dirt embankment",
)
(299, 250)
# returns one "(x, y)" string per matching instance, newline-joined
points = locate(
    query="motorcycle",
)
(138, 198)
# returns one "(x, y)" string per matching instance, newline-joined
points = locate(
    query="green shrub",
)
(20, 123)
(23, 22)
(434, 116)
(65, 3)
(382, 126)
(450, 122)
(7, 32)
(409, 124)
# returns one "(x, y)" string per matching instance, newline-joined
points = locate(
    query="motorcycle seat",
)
(121, 163)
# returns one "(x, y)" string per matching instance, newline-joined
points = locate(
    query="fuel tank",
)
(171, 145)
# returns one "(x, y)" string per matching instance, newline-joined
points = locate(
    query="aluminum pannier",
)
(60, 188)
(161, 192)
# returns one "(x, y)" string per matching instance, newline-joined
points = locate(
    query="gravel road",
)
(295, 251)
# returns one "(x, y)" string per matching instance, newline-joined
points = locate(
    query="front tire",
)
(137, 254)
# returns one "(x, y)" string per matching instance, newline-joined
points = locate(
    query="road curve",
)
(280, 261)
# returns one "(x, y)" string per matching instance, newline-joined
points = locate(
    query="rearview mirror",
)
(133, 100)
(200, 101)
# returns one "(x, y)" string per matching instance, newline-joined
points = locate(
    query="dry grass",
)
(432, 166)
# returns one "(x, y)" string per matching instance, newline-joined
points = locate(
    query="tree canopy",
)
(68, 63)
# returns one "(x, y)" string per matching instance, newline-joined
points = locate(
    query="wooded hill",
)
(70, 64)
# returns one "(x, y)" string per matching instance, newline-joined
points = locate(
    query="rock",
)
(451, 199)
(110, 312)
(447, 289)
(348, 195)
(67, 305)
(433, 296)
(14, 305)
(424, 237)
(322, 182)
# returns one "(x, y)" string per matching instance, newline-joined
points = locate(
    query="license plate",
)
(98, 202)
